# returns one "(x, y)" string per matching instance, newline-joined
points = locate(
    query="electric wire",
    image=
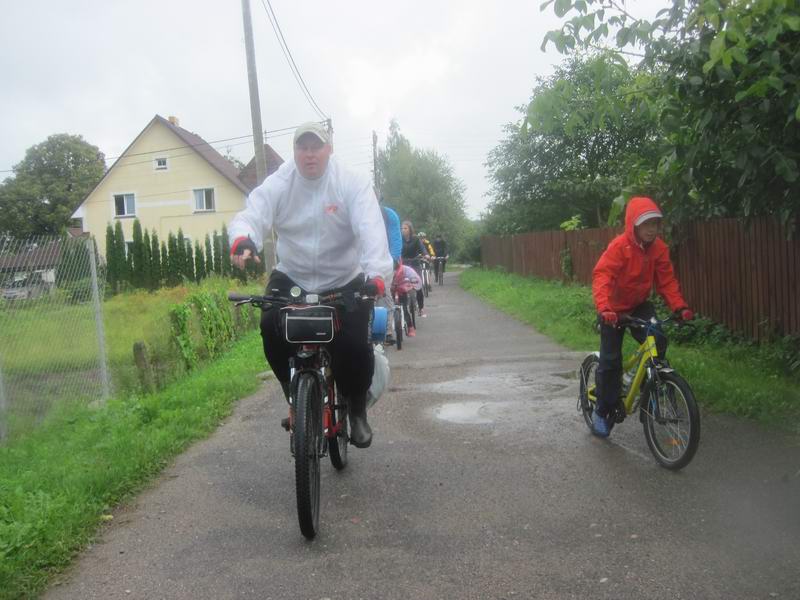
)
(287, 54)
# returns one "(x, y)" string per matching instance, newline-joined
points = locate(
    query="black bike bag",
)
(309, 324)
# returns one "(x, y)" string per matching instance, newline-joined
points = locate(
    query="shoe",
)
(360, 431)
(411, 332)
(600, 426)
(422, 313)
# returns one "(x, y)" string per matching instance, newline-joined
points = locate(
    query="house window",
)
(160, 164)
(124, 205)
(204, 199)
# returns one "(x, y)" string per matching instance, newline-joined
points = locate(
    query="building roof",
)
(199, 145)
(35, 256)
(248, 174)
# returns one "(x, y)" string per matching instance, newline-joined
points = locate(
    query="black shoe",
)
(285, 423)
(360, 431)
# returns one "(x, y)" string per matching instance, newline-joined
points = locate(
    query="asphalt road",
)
(482, 482)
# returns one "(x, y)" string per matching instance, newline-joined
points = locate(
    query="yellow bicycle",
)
(665, 401)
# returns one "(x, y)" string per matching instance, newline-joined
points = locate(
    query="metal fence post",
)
(98, 320)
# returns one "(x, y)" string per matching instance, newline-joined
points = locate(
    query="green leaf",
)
(738, 54)
(792, 22)
(623, 35)
(797, 113)
(717, 47)
(562, 7)
(696, 80)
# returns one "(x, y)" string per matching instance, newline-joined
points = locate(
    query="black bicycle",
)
(438, 269)
(317, 414)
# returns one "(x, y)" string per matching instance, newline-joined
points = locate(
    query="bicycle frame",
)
(315, 359)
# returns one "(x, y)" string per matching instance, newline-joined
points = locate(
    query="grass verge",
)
(739, 378)
(58, 483)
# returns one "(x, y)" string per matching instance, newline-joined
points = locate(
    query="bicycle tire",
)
(425, 284)
(337, 449)
(307, 449)
(398, 327)
(675, 449)
(587, 384)
(412, 309)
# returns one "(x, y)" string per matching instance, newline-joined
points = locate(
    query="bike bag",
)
(309, 325)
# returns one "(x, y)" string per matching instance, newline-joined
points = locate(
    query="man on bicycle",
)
(440, 250)
(331, 237)
(622, 280)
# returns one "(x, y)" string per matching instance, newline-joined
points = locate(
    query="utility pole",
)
(375, 159)
(255, 114)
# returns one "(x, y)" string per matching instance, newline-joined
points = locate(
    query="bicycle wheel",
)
(671, 421)
(337, 450)
(587, 399)
(307, 450)
(426, 285)
(440, 274)
(398, 327)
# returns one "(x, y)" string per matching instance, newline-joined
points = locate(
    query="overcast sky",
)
(451, 72)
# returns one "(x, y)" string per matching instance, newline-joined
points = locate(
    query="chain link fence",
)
(52, 343)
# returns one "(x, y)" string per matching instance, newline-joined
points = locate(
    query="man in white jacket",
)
(331, 236)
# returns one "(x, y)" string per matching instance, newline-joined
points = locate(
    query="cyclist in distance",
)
(394, 236)
(440, 249)
(622, 281)
(412, 250)
(331, 238)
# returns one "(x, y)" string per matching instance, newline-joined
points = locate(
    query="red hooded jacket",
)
(624, 276)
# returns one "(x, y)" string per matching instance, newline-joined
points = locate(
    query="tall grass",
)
(730, 376)
(57, 483)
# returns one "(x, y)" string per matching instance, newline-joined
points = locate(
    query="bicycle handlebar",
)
(643, 323)
(309, 299)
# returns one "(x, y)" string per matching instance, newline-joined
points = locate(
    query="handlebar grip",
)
(238, 297)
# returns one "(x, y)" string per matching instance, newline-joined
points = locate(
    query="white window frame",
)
(205, 198)
(124, 195)
(157, 167)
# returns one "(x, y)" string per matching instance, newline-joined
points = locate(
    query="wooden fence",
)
(742, 275)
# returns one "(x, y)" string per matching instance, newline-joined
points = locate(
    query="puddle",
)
(471, 413)
(567, 375)
(501, 384)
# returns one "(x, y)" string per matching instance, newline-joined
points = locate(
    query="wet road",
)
(482, 482)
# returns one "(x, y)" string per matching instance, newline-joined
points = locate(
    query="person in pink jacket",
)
(404, 282)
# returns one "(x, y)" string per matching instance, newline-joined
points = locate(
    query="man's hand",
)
(374, 286)
(242, 250)
(609, 317)
(686, 314)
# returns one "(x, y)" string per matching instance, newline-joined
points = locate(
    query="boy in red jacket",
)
(622, 280)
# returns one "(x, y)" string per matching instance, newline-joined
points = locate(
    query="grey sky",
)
(451, 73)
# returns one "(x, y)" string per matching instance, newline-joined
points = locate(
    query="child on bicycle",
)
(404, 282)
(622, 281)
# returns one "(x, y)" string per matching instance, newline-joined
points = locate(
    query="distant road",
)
(482, 482)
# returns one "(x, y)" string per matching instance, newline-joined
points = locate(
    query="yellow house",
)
(169, 178)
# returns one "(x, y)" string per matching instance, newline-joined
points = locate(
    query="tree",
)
(156, 274)
(147, 267)
(726, 90)
(173, 261)
(165, 276)
(112, 268)
(421, 186)
(188, 265)
(217, 253)
(180, 259)
(199, 262)
(48, 186)
(583, 138)
(137, 251)
(225, 250)
(209, 257)
(121, 257)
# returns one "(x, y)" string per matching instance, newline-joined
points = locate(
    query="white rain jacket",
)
(329, 229)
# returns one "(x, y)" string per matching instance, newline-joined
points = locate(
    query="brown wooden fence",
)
(744, 276)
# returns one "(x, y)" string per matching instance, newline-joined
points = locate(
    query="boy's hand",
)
(609, 317)
(686, 314)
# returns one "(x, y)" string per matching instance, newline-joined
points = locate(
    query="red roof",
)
(248, 174)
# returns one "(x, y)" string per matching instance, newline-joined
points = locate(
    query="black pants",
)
(438, 267)
(351, 349)
(609, 371)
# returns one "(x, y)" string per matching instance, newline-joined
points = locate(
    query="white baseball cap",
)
(646, 216)
(312, 127)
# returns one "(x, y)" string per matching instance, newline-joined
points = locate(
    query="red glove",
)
(609, 317)
(242, 243)
(374, 286)
(686, 314)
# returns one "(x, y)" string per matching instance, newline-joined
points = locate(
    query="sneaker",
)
(600, 425)
(422, 313)
(411, 332)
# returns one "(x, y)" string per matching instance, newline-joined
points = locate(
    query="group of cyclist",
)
(332, 236)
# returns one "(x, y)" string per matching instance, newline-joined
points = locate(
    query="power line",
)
(287, 54)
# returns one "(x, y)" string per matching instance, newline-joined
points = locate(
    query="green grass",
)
(57, 483)
(733, 377)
